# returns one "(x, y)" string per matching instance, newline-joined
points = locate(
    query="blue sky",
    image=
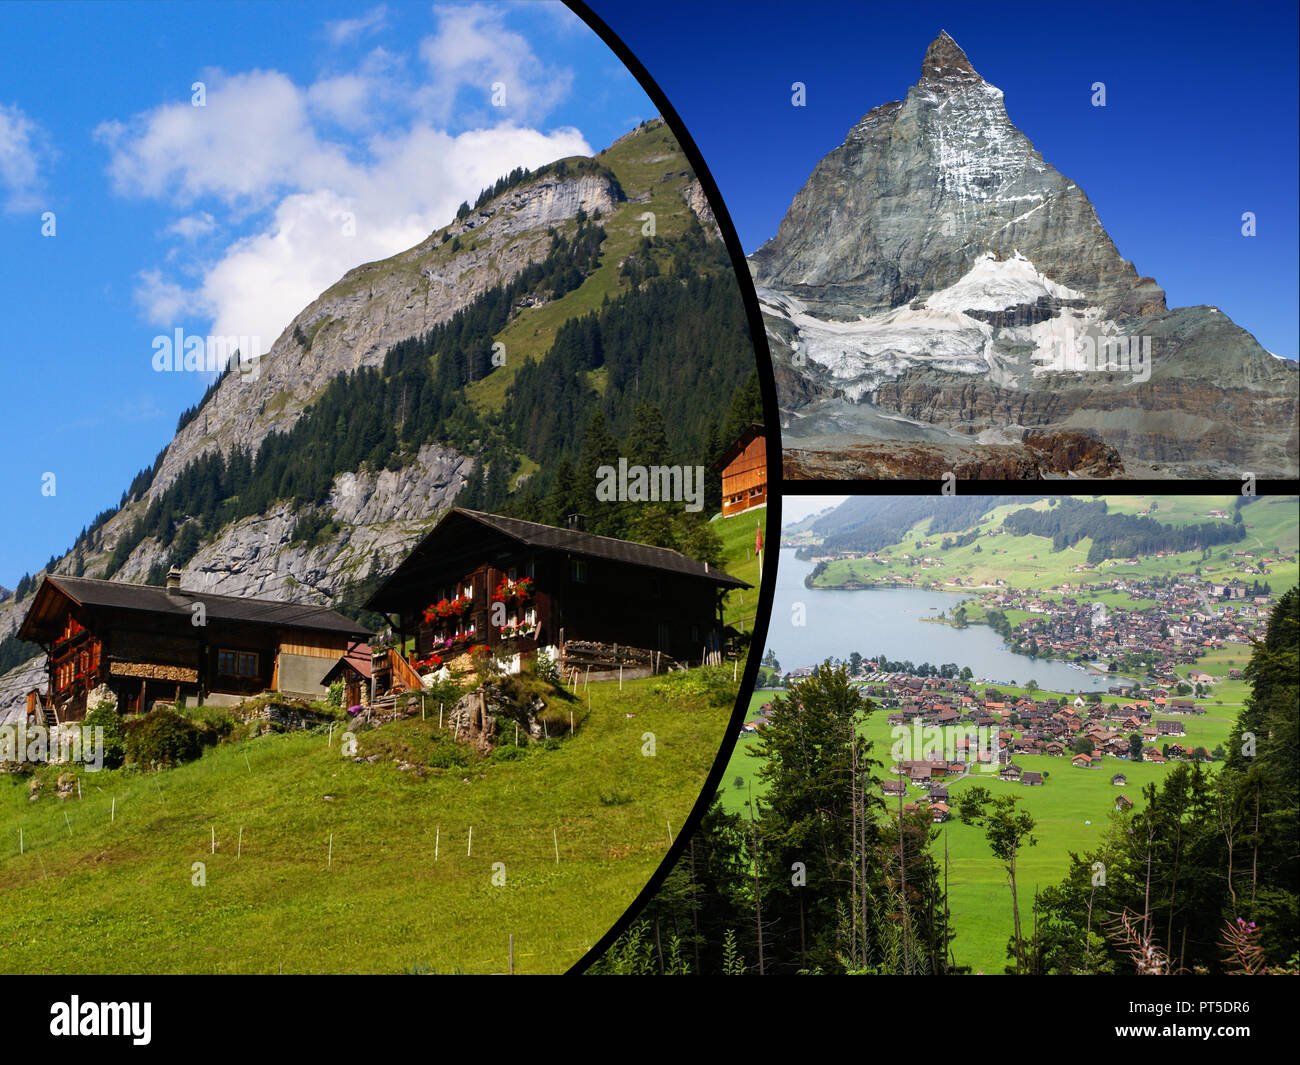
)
(229, 218)
(1200, 123)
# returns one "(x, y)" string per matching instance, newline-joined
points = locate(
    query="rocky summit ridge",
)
(937, 280)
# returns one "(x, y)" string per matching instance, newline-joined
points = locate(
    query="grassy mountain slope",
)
(642, 163)
(104, 881)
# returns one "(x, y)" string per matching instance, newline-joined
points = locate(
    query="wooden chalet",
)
(744, 472)
(143, 643)
(515, 586)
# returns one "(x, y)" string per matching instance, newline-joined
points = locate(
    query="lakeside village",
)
(945, 724)
(1183, 617)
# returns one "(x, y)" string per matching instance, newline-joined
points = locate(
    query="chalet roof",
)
(426, 556)
(751, 433)
(360, 658)
(41, 621)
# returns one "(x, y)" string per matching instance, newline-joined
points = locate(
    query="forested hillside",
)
(866, 523)
(1119, 535)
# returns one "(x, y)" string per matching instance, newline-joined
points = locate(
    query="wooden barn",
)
(144, 643)
(744, 472)
(515, 586)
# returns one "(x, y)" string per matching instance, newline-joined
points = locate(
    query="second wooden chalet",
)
(516, 586)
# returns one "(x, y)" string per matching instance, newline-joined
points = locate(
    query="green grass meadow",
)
(738, 534)
(105, 882)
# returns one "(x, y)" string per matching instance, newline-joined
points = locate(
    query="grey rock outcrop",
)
(480, 714)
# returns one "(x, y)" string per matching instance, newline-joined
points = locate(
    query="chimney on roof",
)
(577, 523)
(173, 580)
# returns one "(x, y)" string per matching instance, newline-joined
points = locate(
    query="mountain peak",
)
(945, 61)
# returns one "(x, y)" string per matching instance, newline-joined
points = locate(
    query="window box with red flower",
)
(447, 608)
(524, 630)
(429, 664)
(519, 590)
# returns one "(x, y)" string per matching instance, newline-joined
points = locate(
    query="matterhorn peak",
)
(945, 62)
(934, 280)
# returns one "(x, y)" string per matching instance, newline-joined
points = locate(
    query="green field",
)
(103, 883)
(978, 895)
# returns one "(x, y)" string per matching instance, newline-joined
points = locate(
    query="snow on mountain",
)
(994, 285)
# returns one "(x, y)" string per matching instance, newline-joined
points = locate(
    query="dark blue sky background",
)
(1199, 124)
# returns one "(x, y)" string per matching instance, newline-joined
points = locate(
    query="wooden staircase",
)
(403, 673)
(41, 710)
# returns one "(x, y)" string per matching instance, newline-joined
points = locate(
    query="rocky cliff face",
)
(936, 279)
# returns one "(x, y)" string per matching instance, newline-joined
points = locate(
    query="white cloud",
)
(252, 138)
(192, 227)
(163, 300)
(346, 99)
(363, 99)
(472, 51)
(23, 153)
(282, 165)
(349, 29)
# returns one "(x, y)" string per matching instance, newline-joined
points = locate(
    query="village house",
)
(516, 586)
(153, 645)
